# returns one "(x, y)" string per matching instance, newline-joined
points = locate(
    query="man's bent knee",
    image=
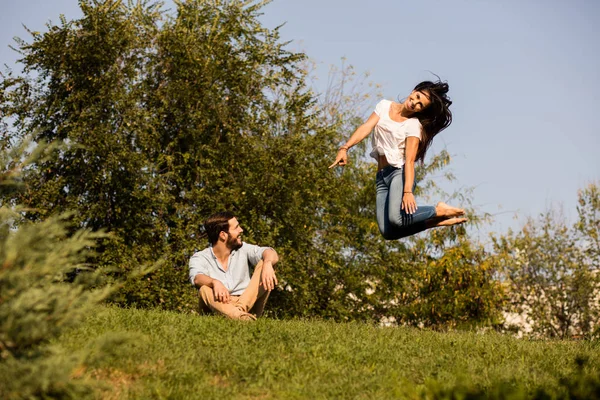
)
(205, 296)
(205, 291)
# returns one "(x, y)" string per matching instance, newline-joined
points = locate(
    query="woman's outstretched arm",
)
(361, 132)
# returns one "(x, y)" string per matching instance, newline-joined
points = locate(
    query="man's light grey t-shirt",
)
(237, 276)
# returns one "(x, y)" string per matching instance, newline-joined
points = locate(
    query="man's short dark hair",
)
(217, 223)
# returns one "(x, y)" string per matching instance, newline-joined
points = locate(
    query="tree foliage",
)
(168, 118)
(552, 270)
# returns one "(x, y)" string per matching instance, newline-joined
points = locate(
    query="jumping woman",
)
(402, 133)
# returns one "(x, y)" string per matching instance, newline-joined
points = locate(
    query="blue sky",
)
(524, 78)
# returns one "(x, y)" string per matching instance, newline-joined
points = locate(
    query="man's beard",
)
(233, 244)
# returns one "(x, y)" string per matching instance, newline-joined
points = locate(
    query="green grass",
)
(181, 356)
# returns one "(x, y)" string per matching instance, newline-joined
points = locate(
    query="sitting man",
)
(222, 271)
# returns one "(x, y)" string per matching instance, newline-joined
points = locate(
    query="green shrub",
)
(47, 285)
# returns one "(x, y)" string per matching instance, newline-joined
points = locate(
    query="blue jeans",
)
(393, 222)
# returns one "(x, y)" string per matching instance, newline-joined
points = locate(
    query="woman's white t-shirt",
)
(389, 136)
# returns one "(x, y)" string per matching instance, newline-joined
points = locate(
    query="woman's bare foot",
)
(450, 222)
(443, 210)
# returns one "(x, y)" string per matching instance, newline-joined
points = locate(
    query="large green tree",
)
(166, 118)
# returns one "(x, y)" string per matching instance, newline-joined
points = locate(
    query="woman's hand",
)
(341, 158)
(409, 205)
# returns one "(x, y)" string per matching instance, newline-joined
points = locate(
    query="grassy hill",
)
(153, 354)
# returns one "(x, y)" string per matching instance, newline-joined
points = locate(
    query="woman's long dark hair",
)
(436, 117)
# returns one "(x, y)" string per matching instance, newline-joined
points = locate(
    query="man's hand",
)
(268, 278)
(220, 291)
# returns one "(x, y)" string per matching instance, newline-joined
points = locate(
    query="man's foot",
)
(450, 222)
(443, 210)
(246, 317)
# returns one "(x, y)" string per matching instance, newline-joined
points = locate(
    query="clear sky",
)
(524, 77)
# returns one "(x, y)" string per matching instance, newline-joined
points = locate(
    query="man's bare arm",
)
(268, 278)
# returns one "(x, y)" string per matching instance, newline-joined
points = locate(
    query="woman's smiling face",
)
(417, 101)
